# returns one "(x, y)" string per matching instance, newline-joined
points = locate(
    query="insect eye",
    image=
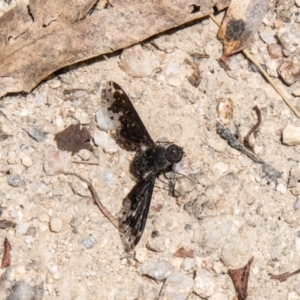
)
(174, 153)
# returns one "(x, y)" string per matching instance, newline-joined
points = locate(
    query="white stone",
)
(22, 228)
(11, 157)
(84, 154)
(281, 188)
(268, 38)
(218, 296)
(204, 284)
(27, 161)
(82, 116)
(219, 169)
(103, 140)
(29, 239)
(158, 270)
(291, 135)
(188, 264)
(56, 161)
(48, 127)
(217, 144)
(56, 224)
(55, 84)
(246, 161)
(141, 254)
(174, 75)
(138, 62)
(104, 120)
(178, 286)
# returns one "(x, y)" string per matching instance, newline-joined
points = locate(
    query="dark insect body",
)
(149, 162)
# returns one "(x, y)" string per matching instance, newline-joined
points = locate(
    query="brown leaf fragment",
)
(240, 279)
(284, 276)
(184, 252)
(62, 33)
(6, 254)
(73, 139)
(225, 110)
(254, 129)
(195, 78)
(240, 24)
(6, 224)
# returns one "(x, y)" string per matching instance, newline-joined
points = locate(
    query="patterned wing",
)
(132, 128)
(135, 210)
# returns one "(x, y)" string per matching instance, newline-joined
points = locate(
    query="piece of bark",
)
(240, 279)
(47, 35)
(284, 276)
(6, 254)
(240, 24)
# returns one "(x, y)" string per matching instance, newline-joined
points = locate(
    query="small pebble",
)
(291, 135)
(141, 254)
(281, 188)
(298, 4)
(22, 228)
(54, 84)
(188, 264)
(56, 161)
(296, 204)
(29, 240)
(27, 162)
(84, 154)
(158, 270)
(36, 134)
(274, 50)
(137, 62)
(246, 162)
(56, 224)
(14, 180)
(82, 116)
(174, 75)
(268, 38)
(11, 157)
(178, 286)
(219, 169)
(103, 140)
(48, 127)
(204, 284)
(87, 243)
(109, 178)
(21, 291)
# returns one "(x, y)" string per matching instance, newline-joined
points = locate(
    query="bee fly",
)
(149, 162)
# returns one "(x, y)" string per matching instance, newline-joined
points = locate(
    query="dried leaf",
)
(241, 24)
(240, 279)
(73, 139)
(195, 78)
(46, 35)
(6, 254)
(6, 224)
(184, 252)
(284, 276)
(254, 129)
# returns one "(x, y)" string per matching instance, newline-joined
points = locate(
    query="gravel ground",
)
(64, 248)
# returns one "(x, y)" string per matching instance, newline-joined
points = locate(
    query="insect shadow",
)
(150, 160)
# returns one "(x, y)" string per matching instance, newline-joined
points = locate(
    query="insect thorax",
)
(152, 159)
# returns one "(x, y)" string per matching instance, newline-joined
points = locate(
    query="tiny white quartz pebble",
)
(178, 286)
(219, 169)
(281, 188)
(84, 154)
(204, 284)
(296, 92)
(56, 225)
(27, 161)
(158, 270)
(291, 135)
(103, 140)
